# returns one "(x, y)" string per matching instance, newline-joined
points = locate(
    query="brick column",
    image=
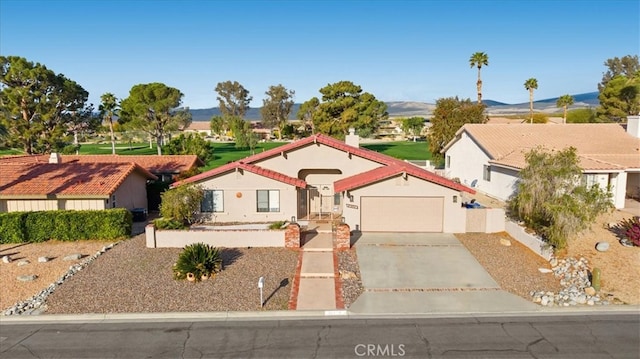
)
(343, 236)
(292, 236)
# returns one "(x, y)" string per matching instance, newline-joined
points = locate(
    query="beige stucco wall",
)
(132, 193)
(216, 238)
(318, 156)
(82, 204)
(454, 214)
(29, 205)
(485, 220)
(240, 198)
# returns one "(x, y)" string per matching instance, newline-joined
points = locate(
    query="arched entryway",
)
(318, 200)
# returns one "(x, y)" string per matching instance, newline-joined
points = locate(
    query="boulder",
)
(545, 270)
(6, 259)
(590, 291)
(43, 259)
(602, 246)
(27, 278)
(505, 242)
(72, 257)
(23, 262)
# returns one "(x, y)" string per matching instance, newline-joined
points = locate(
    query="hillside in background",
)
(423, 109)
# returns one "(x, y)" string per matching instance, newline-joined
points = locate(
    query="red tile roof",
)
(391, 166)
(238, 165)
(164, 164)
(65, 179)
(328, 141)
(381, 173)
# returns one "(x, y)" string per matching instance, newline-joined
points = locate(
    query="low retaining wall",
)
(231, 238)
(534, 243)
(485, 220)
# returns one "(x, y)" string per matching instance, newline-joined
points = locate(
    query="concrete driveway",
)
(426, 273)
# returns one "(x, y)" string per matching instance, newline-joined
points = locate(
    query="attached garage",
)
(401, 214)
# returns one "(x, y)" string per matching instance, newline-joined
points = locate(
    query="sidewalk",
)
(318, 286)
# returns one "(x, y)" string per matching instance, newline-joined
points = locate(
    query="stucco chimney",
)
(352, 139)
(633, 126)
(55, 158)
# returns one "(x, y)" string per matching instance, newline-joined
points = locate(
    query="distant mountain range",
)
(423, 109)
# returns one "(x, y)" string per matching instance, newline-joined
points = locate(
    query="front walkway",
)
(426, 273)
(318, 286)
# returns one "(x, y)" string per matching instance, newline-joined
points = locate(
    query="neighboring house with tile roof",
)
(321, 177)
(72, 185)
(166, 167)
(489, 157)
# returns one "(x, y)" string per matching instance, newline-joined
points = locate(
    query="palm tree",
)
(478, 59)
(108, 109)
(564, 101)
(531, 84)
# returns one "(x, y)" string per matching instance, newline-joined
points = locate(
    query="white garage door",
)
(401, 214)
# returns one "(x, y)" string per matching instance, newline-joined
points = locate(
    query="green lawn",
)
(226, 152)
(403, 150)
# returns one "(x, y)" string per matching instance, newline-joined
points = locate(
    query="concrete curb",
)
(297, 315)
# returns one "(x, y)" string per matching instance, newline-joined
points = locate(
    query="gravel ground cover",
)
(514, 268)
(350, 274)
(135, 279)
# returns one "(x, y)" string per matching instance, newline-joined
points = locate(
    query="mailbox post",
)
(260, 286)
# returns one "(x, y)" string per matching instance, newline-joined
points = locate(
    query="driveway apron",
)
(426, 273)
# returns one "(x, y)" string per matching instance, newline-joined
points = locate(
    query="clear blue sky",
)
(396, 50)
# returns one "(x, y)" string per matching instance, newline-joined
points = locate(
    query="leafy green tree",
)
(531, 84)
(183, 118)
(108, 108)
(343, 106)
(306, 111)
(233, 99)
(619, 98)
(627, 66)
(243, 133)
(181, 203)
(449, 116)
(149, 109)
(581, 115)
(413, 125)
(478, 59)
(564, 101)
(190, 144)
(551, 200)
(276, 108)
(218, 125)
(37, 105)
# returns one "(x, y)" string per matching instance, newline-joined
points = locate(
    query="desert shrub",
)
(182, 203)
(550, 199)
(199, 260)
(168, 223)
(277, 225)
(631, 229)
(65, 225)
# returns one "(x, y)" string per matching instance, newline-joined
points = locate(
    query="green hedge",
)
(21, 227)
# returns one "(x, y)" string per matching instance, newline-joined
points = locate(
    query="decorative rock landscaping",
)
(575, 280)
(34, 304)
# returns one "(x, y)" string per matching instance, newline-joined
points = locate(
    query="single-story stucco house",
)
(322, 177)
(489, 157)
(56, 185)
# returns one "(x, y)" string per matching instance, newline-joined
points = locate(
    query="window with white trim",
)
(268, 200)
(213, 201)
(486, 173)
(448, 162)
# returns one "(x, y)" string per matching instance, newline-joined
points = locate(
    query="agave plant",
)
(197, 261)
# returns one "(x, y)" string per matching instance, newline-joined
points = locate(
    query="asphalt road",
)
(548, 336)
